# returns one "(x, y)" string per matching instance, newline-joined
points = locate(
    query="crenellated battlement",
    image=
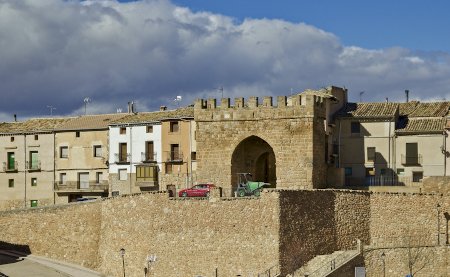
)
(286, 107)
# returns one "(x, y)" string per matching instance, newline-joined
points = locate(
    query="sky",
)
(56, 53)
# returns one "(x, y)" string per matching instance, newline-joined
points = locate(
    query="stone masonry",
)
(293, 130)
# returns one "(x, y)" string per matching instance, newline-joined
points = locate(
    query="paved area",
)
(14, 264)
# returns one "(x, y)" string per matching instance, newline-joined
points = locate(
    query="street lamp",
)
(122, 254)
(150, 259)
(383, 256)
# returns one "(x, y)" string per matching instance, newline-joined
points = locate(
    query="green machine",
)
(247, 187)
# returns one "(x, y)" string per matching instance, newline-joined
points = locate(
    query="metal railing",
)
(77, 186)
(122, 158)
(411, 160)
(380, 181)
(148, 157)
(8, 168)
(34, 165)
(174, 156)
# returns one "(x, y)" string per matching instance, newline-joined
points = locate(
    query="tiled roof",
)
(156, 116)
(404, 109)
(423, 125)
(433, 109)
(91, 122)
(369, 110)
(32, 125)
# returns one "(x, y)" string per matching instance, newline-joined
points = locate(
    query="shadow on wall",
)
(5, 246)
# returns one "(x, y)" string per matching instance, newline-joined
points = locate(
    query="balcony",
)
(7, 167)
(122, 158)
(408, 160)
(148, 157)
(174, 156)
(34, 165)
(75, 186)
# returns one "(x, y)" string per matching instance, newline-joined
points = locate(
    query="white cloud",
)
(57, 52)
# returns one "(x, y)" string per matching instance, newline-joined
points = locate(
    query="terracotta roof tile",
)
(433, 109)
(91, 122)
(422, 125)
(155, 116)
(369, 110)
(35, 125)
(405, 109)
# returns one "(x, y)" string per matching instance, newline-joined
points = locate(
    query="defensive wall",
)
(287, 140)
(194, 237)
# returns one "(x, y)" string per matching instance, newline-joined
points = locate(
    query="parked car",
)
(200, 190)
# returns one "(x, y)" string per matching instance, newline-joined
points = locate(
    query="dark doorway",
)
(254, 155)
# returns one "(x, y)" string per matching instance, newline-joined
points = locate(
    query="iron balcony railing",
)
(148, 157)
(174, 156)
(411, 160)
(8, 167)
(122, 158)
(34, 165)
(85, 186)
(379, 181)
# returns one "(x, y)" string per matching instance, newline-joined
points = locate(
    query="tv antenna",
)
(177, 100)
(86, 100)
(360, 96)
(221, 90)
(51, 109)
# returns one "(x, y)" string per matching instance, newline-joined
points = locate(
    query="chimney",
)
(131, 107)
(387, 100)
(407, 95)
(163, 108)
(15, 117)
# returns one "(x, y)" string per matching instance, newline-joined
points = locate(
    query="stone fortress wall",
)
(293, 129)
(193, 237)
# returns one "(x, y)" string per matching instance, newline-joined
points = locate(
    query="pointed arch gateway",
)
(254, 155)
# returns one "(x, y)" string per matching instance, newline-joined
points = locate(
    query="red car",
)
(200, 190)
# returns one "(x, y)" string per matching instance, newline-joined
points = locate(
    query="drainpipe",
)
(54, 167)
(389, 149)
(25, 169)
(444, 138)
(190, 153)
(131, 155)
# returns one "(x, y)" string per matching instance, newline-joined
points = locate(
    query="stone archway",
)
(254, 155)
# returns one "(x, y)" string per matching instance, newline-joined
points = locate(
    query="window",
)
(400, 171)
(34, 160)
(149, 129)
(98, 177)
(412, 154)
(193, 156)
(417, 176)
(83, 180)
(11, 161)
(98, 151)
(64, 152)
(149, 151)
(123, 152)
(370, 172)
(355, 127)
(146, 173)
(12, 139)
(33, 182)
(169, 168)
(115, 193)
(348, 171)
(11, 183)
(62, 178)
(174, 127)
(77, 134)
(123, 176)
(371, 154)
(36, 137)
(33, 203)
(175, 152)
(123, 130)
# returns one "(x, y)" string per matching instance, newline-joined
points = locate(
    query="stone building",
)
(285, 145)
(152, 151)
(27, 159)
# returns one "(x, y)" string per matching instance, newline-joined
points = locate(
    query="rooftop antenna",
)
(119, 110)
(220, 89)
(51, 109)
(407, 95)
(177, 100)
(86, 100)
(360, 96)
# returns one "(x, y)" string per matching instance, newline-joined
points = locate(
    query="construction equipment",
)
(247, 187)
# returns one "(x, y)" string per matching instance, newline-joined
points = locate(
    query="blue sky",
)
(58, 52)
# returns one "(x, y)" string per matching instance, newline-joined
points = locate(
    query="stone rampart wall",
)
(436, 184)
